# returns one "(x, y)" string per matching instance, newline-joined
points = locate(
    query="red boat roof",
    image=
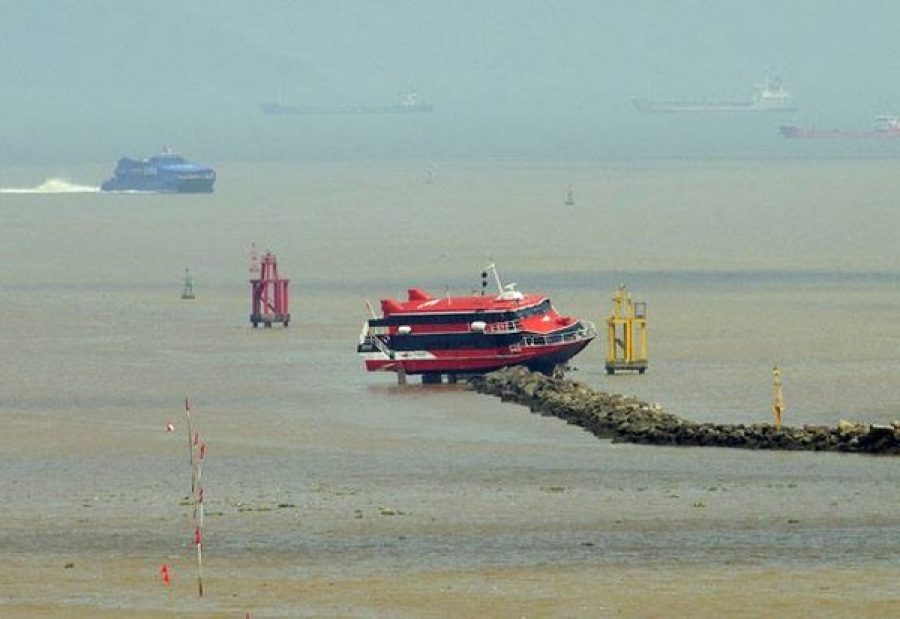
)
(422, 302)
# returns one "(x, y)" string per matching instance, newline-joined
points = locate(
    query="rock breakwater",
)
(628, 419)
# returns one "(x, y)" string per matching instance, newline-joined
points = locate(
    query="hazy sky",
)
(89, 80)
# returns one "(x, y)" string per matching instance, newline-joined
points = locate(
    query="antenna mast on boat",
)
(492, 268)
(508, 292)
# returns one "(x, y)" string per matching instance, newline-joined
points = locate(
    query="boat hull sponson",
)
(543, 359)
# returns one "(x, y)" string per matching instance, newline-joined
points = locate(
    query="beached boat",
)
(435, 336)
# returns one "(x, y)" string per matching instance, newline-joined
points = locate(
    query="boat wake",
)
(52, 185)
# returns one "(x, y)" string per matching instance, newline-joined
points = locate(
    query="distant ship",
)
(409, 104)
(886, 127)
(166, 172)
(770, 97)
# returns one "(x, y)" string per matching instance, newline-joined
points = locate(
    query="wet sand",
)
(516, 515)
(688, 591)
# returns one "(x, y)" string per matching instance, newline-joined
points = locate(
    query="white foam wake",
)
(52, 185)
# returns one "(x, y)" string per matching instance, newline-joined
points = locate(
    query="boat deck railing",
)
(587, 331)
(370, 343)
(508, 326)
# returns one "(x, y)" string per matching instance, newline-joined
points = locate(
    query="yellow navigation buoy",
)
(626, 334)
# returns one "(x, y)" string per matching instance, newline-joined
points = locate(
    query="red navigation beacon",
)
(269, 295)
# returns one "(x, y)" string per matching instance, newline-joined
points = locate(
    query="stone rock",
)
(629, 419)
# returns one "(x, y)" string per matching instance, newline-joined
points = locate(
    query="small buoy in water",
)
(170, 427)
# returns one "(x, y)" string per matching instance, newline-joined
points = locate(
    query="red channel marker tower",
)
(269, 295)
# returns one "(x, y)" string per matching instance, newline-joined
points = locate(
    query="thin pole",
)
(198, 539)
(198, 512)
(190, 433)
(777, 397)
(196, 490)
(198, 496)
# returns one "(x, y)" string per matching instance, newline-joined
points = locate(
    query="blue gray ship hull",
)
(159, 185)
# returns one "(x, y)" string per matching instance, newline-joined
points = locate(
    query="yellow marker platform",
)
(626, 334)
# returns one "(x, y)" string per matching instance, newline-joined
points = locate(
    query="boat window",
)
(454, 341)
(439, 318)
(541, 308)
(170, 159)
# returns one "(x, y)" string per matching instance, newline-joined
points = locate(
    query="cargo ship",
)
(167, 172)
(770, 97)
(409, 104)
(458, 335)
(886, 127)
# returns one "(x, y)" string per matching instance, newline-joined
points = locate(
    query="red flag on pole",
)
(198, 536)
(164, 573)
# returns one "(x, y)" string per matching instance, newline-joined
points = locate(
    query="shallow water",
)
(743, 265)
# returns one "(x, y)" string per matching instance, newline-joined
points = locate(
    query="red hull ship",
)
(436, 336)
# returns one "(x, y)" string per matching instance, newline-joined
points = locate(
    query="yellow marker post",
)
(777, 397)
(626, 334)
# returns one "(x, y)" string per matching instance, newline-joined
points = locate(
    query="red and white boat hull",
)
(472, 361)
